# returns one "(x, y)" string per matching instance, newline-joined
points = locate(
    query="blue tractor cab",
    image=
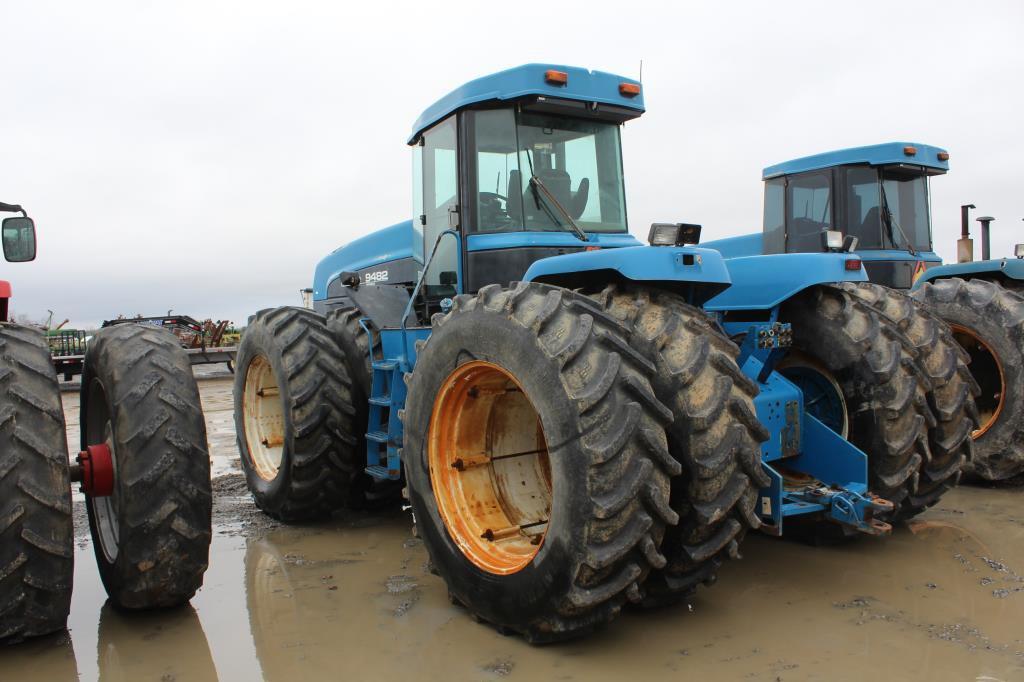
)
(878, 195)
(875, 200)
(520, 165)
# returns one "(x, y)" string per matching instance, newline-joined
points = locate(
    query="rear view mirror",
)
(19, 237)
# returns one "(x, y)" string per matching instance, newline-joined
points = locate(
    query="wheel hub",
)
(823, 396)
(95, 471)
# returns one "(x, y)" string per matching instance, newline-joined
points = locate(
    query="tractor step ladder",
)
(383, 456)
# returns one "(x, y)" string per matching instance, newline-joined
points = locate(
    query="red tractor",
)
(143, 467)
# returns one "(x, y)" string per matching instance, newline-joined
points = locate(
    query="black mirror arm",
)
(13, 208)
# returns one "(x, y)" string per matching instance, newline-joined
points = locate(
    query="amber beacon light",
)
(629, 89)
(556, 77)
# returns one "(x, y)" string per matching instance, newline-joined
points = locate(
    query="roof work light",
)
(673, 234)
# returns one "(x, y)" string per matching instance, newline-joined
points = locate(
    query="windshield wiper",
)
(538, 187)
(891, 221)
(537, 184)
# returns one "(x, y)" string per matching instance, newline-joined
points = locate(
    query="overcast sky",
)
(203, 156)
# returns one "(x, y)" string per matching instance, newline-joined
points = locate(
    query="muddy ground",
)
(942, 599)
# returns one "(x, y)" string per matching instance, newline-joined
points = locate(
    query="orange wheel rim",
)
(489, 467)
(992, 383)
(263, 418)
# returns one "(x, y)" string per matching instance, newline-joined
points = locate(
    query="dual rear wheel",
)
(150, 518)
(538, 468)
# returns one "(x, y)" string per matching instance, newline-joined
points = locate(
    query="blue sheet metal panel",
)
(762, 282)
(738, 247)
(639, 264)
(770, 507)
(521, 81)
(384, 245)
(875, 155)
(1012, 268)
(771, 407)
(513, 240)
(830, 458)
(392, 345)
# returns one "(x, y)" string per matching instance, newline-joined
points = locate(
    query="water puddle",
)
(942, 598)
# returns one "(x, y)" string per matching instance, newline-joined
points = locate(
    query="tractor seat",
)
(522, 199)
(579, 199)
(871, 228)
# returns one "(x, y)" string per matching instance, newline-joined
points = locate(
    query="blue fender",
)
(763, 282)
(664, 264)
(385, 245)
(1010, 268)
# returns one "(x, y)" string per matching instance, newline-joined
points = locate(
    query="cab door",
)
(439, 207)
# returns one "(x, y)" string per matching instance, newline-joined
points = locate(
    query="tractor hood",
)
(385, 245)
(1008, 268)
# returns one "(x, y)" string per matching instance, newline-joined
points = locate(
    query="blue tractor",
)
(878, 198)
(578, 420)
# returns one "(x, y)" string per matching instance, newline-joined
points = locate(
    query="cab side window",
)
(808, 210)
(775, 215)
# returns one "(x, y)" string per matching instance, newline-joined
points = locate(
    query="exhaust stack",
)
(965, 245)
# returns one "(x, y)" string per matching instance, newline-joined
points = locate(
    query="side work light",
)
(1018, 251)
(831, 240)
(673, 234)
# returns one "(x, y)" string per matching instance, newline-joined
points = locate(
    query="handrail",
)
(423, 276)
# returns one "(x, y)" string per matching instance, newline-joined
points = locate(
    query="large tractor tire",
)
(860, 376)
(152, 534)
(537, 462)
(294, 416)
(36, 535)
(987, 319)
(357, 347)
(715, 435)
(950, 396)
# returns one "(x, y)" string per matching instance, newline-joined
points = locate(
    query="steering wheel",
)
(493, 210)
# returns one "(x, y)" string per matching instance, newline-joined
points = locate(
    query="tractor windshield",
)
(887, 209)
(546, 173)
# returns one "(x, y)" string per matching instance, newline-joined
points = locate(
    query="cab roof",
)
(874, 155)
(529, 79)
